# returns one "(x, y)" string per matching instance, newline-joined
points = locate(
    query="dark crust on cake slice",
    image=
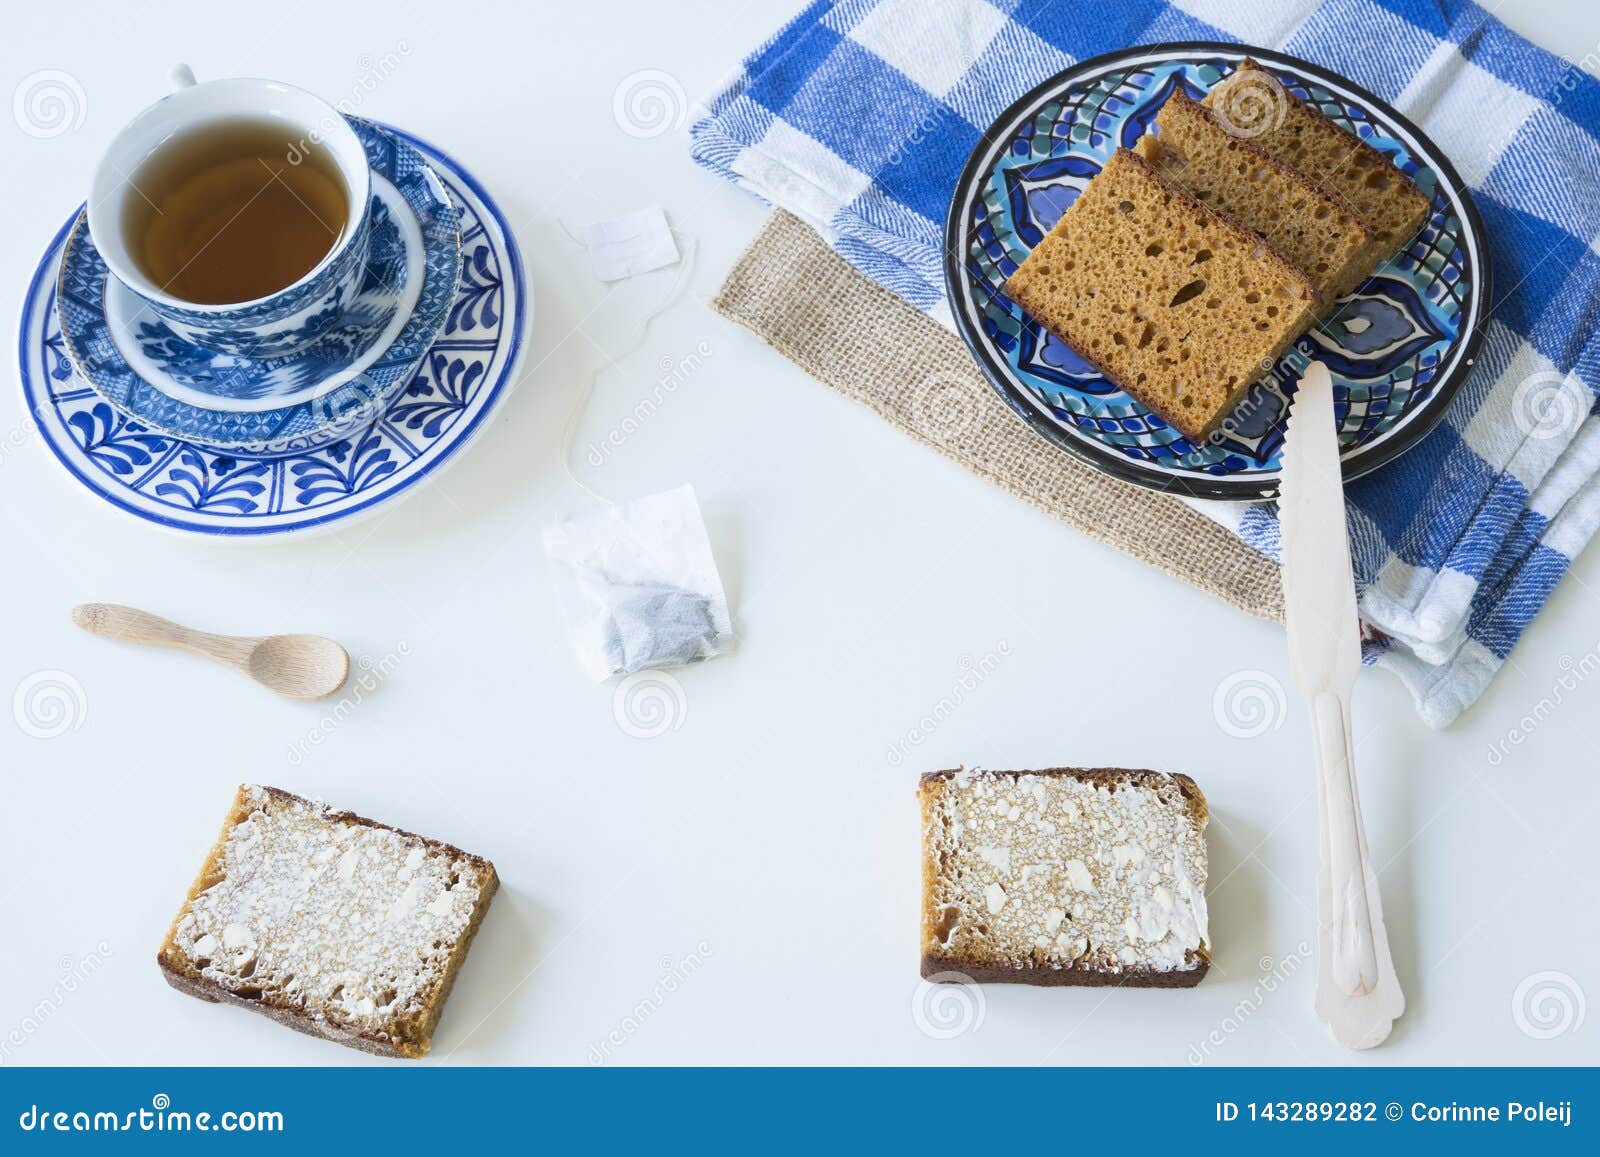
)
(933, 968)
(964, 969)
(181, 974)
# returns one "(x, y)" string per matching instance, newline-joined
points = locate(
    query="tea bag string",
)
(687, 245)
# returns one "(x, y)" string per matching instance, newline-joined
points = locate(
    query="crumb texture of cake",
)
(1174, 302)
(1252, 103)
(331, 923)
(1316, 230)
(1067, 876)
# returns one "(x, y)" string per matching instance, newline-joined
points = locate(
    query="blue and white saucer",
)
(294, 402)
(182, 484)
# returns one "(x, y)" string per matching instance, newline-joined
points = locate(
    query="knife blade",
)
(1319, 594)
(1358, 993)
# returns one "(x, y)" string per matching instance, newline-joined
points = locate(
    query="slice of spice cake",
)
(1178, 305)
(1252, 103)
(328, 923)
(1324, 237)
(1064, 877)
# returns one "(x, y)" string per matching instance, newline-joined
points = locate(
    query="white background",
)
(770, 835)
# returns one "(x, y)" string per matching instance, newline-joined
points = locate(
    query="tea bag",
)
(643, 585)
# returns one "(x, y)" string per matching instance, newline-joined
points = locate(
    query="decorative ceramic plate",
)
(1398, 346)
(173, 483)
(299, 401)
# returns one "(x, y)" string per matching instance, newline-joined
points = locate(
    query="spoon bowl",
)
(299, 666)
(296, 666)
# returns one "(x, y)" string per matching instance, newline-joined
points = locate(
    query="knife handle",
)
(1354, 954)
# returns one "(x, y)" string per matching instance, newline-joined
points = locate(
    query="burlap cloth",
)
(807, 302)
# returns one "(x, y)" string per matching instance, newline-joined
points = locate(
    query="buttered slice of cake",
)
(328, 923)
(1322, 234)
(1181, 307)
(1064, 877)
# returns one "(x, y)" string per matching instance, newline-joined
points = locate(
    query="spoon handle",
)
(135, 626)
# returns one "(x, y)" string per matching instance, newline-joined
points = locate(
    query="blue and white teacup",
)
(280, 322)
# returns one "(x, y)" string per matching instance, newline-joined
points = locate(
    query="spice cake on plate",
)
(1319, 232)
(1252, 103)
(1176, 303)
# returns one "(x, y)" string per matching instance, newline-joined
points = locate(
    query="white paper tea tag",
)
(630, 245)
(643, 585)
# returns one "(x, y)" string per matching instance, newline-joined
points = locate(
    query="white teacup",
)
(283, 321)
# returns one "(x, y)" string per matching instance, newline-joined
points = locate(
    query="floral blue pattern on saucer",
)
(295, 402)
(1397, 347)
(176, 483)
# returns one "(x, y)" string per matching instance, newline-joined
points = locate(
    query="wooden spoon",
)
(299, 666)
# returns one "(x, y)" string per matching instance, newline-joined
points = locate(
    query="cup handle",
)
(181, 76)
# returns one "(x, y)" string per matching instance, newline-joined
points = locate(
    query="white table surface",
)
(770, 840)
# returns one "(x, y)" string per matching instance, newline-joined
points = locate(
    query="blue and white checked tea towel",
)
(1459, 543)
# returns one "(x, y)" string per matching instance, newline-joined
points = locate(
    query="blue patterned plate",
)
(1398, 347)
(292, 403)
(463, 375)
